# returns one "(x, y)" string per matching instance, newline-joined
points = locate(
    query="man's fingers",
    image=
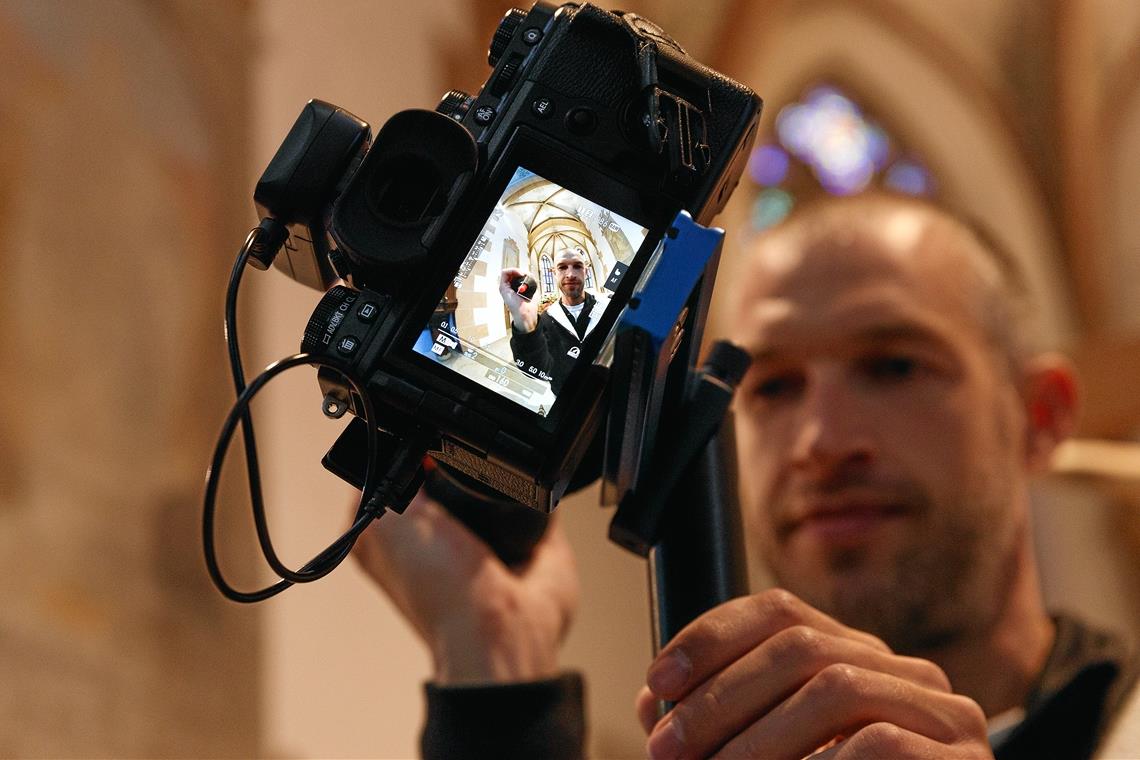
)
(887, 740)
(843, 699)
(507, 276)
(724, 634)
(646, 706)
(758, 682)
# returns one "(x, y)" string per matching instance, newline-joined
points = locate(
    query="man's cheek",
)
(758, 485)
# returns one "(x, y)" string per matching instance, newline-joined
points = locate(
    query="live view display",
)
(535, 283)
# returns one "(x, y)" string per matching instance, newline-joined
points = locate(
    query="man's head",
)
(892, 417)
(570, 275)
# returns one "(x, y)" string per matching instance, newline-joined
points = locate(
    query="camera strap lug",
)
(688, 152)
(334, 405)
(674, 125)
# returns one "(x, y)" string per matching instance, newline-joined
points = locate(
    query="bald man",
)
(889, 427)
(547, 345)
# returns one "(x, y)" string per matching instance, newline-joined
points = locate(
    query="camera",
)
(453, 245)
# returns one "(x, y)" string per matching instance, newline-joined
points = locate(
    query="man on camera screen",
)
(552, 340)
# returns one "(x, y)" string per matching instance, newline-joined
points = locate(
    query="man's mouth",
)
(845, 521)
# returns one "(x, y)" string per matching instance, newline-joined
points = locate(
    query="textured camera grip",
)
(509, 528)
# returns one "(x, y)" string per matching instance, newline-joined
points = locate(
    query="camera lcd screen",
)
(535, 284)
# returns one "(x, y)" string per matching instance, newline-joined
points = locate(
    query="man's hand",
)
(524, 313)
(482, 621)
(767, 676)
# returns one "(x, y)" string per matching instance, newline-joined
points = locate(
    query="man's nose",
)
(833, 429)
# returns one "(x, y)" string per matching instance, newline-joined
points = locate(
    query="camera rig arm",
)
(674, 479)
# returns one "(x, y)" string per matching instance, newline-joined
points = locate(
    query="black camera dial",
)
(504, 34)
(327, 318)
(340, 321)
(454, 103)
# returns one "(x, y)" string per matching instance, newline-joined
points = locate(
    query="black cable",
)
(371, 504)
(368, 509)
(229, 326)
(273, 229)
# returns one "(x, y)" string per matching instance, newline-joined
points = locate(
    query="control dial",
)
(327, 317)
(504, 34)
(454, 104)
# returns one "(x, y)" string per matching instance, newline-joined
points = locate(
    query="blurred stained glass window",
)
(826, 143)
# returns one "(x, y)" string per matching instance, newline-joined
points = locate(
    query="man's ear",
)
(1051, 404)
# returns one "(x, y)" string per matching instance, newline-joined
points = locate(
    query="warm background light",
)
(133, 132)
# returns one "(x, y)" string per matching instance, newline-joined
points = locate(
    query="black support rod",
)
(698, 561)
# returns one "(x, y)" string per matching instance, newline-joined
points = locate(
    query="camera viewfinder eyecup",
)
(387, 219)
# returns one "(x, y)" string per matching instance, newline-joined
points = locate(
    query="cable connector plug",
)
(405, 472)
(266, 241)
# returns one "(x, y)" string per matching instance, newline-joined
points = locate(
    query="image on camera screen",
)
(534, 285)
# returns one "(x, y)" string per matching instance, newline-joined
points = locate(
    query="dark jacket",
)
(551, 349)
(1083, 683)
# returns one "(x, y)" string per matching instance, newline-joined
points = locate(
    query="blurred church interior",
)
(133, 132)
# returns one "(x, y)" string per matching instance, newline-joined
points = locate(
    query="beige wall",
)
(341, 673)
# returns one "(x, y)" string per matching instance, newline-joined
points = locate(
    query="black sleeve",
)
(533, 719)
(532, 348)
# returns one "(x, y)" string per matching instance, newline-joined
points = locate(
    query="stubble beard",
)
(574, 295)
(938, 589)
(905, 604)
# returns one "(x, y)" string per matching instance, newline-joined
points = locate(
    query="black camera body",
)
(593, 131)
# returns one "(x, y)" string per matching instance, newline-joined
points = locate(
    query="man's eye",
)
(891, 367)
(778, 386)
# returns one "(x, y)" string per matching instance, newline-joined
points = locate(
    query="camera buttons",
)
(484, 115)
(542, 107)
(347, 345)
(532, 36)
(367, 312)
(581, 121)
